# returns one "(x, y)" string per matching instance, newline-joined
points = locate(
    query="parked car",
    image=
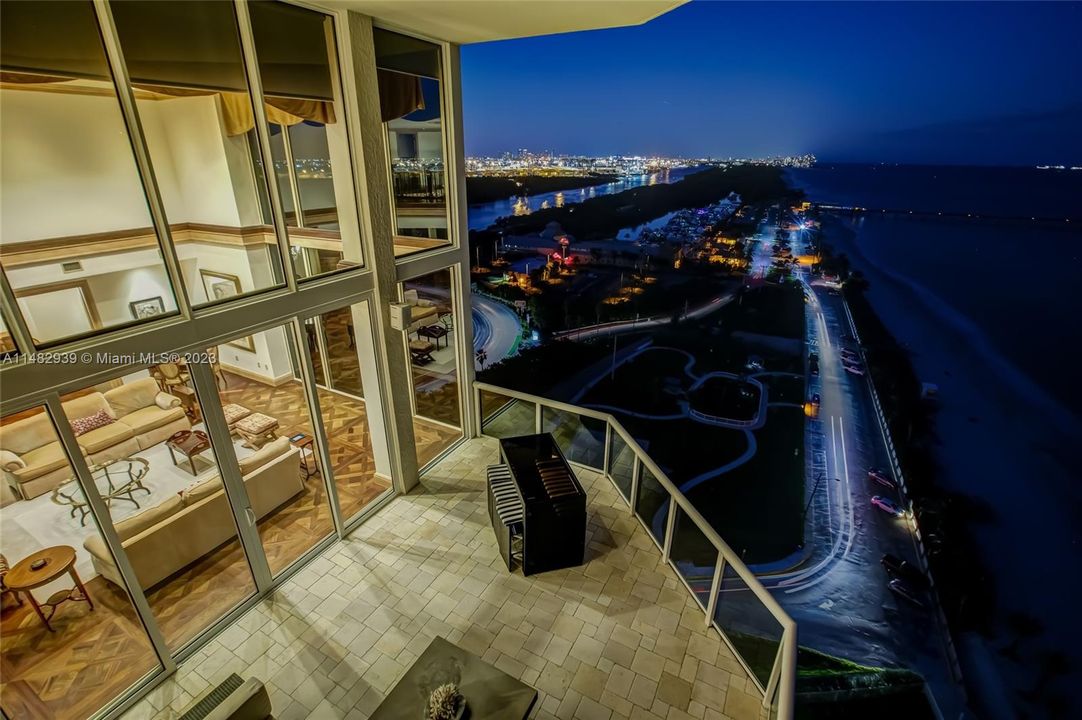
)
(853, 370)
(888, 506)
(905, 570)
(881, 476)
(900, 588)
(811, 408)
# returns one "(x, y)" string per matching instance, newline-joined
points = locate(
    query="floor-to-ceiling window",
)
(87, 645)
(410, 74)
(144, 438)
(187, 72)
(76, 236)
(306, 121)
(265, 404)
(433, 352)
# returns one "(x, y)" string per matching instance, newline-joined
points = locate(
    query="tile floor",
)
(618, 637)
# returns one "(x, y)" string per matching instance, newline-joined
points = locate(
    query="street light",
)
(804, 515)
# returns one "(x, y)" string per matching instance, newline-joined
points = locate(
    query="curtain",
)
(399, 94)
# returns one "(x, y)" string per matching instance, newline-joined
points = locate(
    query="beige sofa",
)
(166, 538)
(422, 312)
(33, 460)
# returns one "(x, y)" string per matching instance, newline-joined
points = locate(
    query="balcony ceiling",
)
(473, 21)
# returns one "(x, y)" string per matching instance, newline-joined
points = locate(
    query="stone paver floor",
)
(619, 637)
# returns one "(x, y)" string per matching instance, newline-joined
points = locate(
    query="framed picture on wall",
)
(220, 286)
(148, 308)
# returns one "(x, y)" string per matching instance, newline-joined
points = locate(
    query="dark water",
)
(1007, 285)
(482, 215)
(991, 311)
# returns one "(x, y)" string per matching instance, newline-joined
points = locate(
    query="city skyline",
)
(995, 84)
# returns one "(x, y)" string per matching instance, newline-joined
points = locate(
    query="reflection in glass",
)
(187, 72)
(693, 555)
(410, 86)
(157, 472)
(349, 416)
(93, 654)
(7, 342)
(430, 340)
(502, 416)
(303, 101)
(652, 504)
(621, 464)
(581, 438)
(748, 624)
(76, 240)
(266, 408)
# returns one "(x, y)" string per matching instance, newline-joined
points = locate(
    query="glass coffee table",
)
(115, 480)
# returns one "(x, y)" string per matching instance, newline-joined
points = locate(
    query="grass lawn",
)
(640, 384)
(684, 448)
(722, 397)
(756, 507)
(783, 388)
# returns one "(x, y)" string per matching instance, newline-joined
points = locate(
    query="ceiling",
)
(473, 21)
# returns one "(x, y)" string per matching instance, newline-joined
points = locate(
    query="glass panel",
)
(621, 464)
(7, 342)
(410, 98)
(157, 471)
(303, 101)
(749, 625)
(187, 71)
(341, 344)
(313, 340)
(353, 422)
(94, 654)
(76, 237)
(581, 438)
(502, 416)
(652, 504)
(431, 345)
(267, 411)
(693, 555)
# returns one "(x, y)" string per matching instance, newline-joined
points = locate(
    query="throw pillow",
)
(99, 419)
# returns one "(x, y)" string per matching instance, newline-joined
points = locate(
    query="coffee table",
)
(489, 692)
(188, 443)
(434, 332)
(115, 480)
(42, 568)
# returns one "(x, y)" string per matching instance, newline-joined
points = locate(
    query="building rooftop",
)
(617, 637)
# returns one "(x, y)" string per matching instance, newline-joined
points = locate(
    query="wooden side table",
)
(307, 447)
(42, 568)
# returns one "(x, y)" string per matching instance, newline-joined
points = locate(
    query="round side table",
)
(42, 568)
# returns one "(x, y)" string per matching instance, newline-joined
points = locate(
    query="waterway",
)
(482, 215)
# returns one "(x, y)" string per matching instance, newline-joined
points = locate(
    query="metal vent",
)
(73, 266)
(213, 699)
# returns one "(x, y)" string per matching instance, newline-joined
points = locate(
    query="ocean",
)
(989, 312)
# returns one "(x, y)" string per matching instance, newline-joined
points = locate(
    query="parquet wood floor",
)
(95, 655)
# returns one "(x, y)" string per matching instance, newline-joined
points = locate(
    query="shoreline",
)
(1013, 486)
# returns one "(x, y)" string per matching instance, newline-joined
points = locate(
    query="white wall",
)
(66, 167)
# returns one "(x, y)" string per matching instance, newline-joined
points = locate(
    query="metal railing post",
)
(670, 526)
(715, 589)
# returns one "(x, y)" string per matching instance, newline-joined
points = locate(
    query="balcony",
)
(618, 637)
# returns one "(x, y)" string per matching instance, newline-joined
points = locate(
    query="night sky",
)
(967, 83)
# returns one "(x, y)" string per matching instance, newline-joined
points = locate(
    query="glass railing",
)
(759, 633)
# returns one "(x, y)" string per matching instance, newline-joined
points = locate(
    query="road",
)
(622, 326)
(496, 328)
(838, 595)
